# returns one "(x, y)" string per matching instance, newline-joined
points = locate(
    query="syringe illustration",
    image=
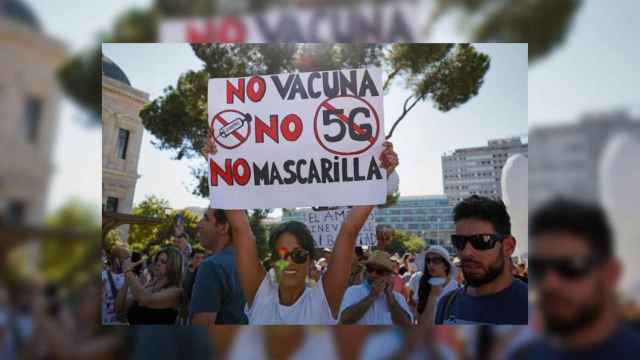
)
(235, 125)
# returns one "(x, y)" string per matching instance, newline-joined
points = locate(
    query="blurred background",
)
(584, 131)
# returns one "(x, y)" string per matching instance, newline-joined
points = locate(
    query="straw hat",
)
(380, 259)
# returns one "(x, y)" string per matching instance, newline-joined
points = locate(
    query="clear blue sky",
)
(589, 72)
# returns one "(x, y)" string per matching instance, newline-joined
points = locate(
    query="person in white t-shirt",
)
(289, 300)
(374, 302)
(283, 342)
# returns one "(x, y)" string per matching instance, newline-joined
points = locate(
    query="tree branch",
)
(405, 111)
(391, 76)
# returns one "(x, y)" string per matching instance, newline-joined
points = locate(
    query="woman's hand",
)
(388, 157)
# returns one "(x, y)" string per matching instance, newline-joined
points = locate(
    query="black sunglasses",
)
(297, 255)
(478, 241)
(568, 268)
(435, 260)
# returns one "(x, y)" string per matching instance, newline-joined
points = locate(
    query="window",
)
(32, 118)
(112, 204)
(123, 142)
(16, 211)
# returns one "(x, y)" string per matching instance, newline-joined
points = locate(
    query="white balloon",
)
(620, 196)
(393, 183)
(515, 194)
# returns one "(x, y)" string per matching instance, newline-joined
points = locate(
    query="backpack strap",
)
(447, 304)
(112, 284)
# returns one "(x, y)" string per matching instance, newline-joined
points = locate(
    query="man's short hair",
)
(221, 218)
(483, 208)
(588, 221)
(196, 251)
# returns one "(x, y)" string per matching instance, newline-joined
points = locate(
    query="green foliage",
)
(403, 241)
(543, 24)
(150, 238)
(79, 79)
(64, 260)
(260, 231)
(448, 75)
(112, 240)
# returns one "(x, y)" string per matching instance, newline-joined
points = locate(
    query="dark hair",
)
(135, 257)
(588, 221)
(299, 231)
(221, 218)
(174, 265)
(196, 251)
(483, 208)
(425, 287)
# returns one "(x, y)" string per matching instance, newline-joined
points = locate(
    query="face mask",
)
(437, 281)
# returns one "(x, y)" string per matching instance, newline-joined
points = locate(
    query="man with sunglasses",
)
(484, 244)
(575, 273)
(374, 302)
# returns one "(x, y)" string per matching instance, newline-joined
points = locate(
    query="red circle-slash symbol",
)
(223, 122)
(347, 145)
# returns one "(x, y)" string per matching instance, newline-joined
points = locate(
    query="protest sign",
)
(325, 225)
(297, 139)
(397, 21)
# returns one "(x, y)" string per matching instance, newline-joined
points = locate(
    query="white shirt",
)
(385, 344)
(378, 313)
(108, 299)
(311, 308)
(317, 344)
(414, 285)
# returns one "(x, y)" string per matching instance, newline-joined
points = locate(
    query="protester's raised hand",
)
(388, 157)
(210, 147)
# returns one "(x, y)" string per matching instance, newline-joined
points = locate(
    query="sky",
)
(558, 89)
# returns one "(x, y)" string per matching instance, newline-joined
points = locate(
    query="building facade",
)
(29, 99)
(565, 158)
(477, 170)
(122, 132)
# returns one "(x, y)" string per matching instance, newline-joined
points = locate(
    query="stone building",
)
(121, 139)
(29, 99)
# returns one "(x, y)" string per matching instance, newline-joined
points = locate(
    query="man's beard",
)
(494, 270)
(564, 327)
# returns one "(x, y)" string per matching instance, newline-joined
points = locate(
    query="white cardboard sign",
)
(325, 225)
(297, 139)
(397, 21)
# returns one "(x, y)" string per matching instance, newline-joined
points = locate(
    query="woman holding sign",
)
(288, 300)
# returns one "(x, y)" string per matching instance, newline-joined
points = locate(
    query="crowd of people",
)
(577, 313)
(227, 282)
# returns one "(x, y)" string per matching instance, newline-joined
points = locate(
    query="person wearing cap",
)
(375, 302)
(438, 271)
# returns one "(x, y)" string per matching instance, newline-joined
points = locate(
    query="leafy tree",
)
(403, 241)
(150, 238)
(543, 24)
(446, 75)
(68, 261)
(261, 231)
